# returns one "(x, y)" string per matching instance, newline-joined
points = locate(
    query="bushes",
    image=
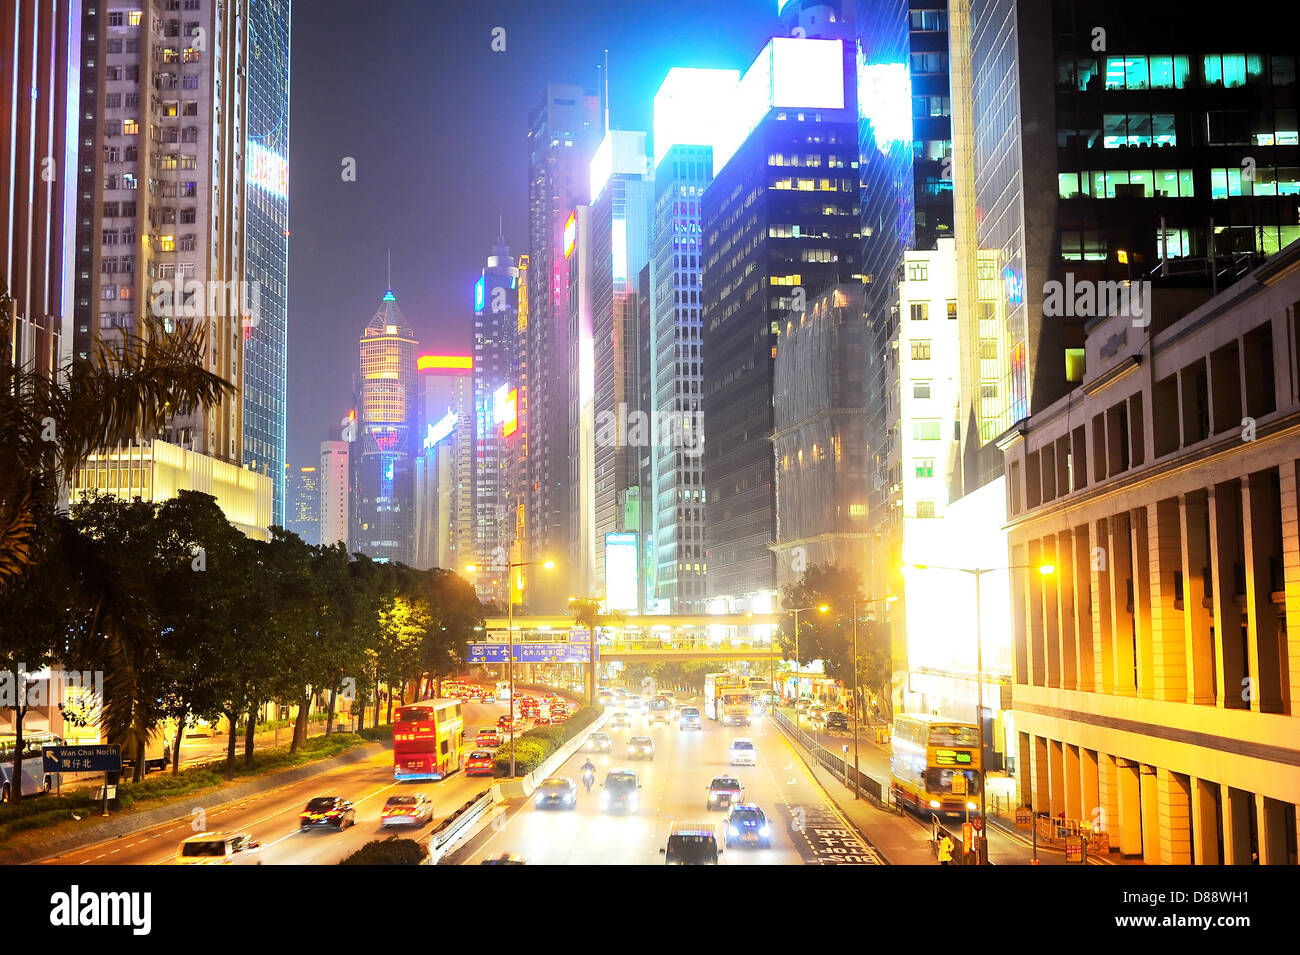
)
(533, 747)
(392, 851)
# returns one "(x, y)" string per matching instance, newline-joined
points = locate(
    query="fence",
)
(834, 762)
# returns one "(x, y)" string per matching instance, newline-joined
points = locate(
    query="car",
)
(542, 720)
(488, 736)
(217, 848)
(837, 722)
(691, 843)
(801, 705)
(689, 719)
(641, 747)
(559, 717)
(620, 694)
(557, 792)
(743, 752)
(599, 743)
(723, 791)
(505, 858)
(748, 826)
(604, 697)
(660, 717)
(505, 725)
(488, 698)
(332, 811)
(410, 809)
(620, 792)
(480, 763)
(817, 713)
(620, 720)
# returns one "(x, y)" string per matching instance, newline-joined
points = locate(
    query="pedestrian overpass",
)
(656, 637)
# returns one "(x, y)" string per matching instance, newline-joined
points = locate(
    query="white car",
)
(743, 752)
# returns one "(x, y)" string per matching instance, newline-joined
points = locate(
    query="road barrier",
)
(455, 827)
(836, 763)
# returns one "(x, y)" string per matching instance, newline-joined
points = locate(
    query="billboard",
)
(621, 590)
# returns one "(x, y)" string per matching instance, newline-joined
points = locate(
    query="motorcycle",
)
(588, 777)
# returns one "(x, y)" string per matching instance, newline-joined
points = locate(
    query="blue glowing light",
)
(885, 99)
(480, 293)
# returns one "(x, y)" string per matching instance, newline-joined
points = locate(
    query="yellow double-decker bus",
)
(928, 754)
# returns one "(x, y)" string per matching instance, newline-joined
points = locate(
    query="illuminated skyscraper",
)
(780, 225)
(303, 487)
(563, 131)
(266, 239)
(444, 462)
(385, 508)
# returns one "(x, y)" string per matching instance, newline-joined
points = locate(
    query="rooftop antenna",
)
(390, 270)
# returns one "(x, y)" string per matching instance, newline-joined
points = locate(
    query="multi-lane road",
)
(272, 817)
(807, 829)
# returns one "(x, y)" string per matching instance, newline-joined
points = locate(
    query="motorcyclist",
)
(588, 774)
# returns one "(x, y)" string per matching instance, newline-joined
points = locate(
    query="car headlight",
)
(604, 799)
(934, 804)
(733, 830)
(764, 831)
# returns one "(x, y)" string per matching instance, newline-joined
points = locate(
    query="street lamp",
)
(798, 668)
(1046, 570)
(510, 636)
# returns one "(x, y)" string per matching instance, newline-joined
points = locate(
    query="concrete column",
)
(1175, 808)
(1083, 626)
(1149, 793)
(1260, 540)
(1121, 555)
(1089, 792)
(1227, 615)
(1273, 836)
(1050, 584)
(1064, 582)
(1037, 656)
(1287, 484)
(1130, 807)
(1024, 764)
(1168, 637)
(1072, 791)
(1108, 797)
(1144, 650)
(1039, 778)
(1056, 777)
(1237, 809)
(1205, 822)
(1198, 620)
(1102, 620)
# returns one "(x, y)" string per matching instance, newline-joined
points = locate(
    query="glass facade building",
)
(266, 237)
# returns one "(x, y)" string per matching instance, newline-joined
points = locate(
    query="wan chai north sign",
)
(531, 653)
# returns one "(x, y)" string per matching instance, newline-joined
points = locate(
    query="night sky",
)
(437, 123)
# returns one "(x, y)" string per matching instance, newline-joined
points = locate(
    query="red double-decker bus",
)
(427, 739)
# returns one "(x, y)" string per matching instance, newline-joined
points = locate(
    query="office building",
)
(383, 478)
(685, 126)
(40, 77)
(780, 226)
(266, 239)
(302, 484)
(444, 462)
(563, 132)
(580, 544)
(621, 199)
(334, 482)
(1155, 680)
(496, 302)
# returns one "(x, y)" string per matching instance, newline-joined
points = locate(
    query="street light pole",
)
(510, 649)
(856, 776)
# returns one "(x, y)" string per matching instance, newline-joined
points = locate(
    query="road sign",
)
(578, 635)
(959, 784)
(82, 759)
(532, 653)
(1024, 817)
(978, 823)
(1074, 849)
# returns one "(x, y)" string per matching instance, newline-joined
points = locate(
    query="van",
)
(691, 843)
(689, 718)
(218, 848)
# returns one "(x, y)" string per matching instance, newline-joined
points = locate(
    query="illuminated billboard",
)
(444, 363)
(480, 293)
(885, 100)
(499, 399)
(440, 430)
(570, 233)
(510, 414)
(621, 153)
(688, 106)
(621, 571)
(267, 170)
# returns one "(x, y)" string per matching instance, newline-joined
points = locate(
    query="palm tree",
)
(50, 424)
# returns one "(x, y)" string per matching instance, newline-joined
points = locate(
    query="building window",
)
(952, 311)
(857, 510)
(921, 350)
(925, 509)
(925, 429)
(924, 467)
(920, 389)
(920, 311)
(918, 271)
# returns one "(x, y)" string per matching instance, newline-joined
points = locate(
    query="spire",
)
(501, 230)
(606, 79)
(388, 293)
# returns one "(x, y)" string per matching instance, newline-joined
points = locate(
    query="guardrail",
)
(834, 761)
(452, 829)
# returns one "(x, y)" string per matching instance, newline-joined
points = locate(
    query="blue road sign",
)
(579, 635)
(532, 653)
(82, 759)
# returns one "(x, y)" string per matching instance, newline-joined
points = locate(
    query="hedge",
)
(392, 851)
(533, 747)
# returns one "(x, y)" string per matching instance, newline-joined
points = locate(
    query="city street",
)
(806, 827)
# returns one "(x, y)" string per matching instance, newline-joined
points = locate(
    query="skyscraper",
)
(496, 304)
(266, 239)
(780, 225)
(303, 486)
(685, 126)
(621, 200)
(444, 462)
(334, 481)
(563, 131)
(384, 477)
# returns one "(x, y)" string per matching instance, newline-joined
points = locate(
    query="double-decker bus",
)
(928, 752)
(35, 778)
(427, 739)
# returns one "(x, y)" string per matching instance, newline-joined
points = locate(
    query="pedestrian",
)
(946, 845)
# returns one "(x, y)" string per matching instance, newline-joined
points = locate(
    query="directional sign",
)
(578, 635)
(82, 759)
(531, 653)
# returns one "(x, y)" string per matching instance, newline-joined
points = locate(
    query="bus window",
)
(962, 736)
(939, 780)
